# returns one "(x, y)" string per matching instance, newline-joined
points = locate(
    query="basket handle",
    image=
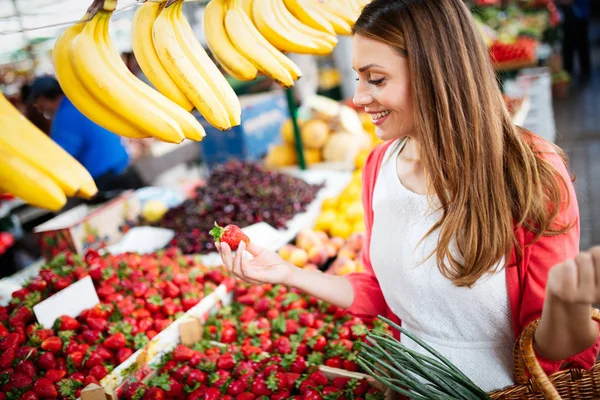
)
(525, 360)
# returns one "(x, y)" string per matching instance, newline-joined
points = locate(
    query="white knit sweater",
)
(469, 326)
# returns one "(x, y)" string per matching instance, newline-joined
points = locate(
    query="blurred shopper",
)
(101, 152)
(32, 113)
(576, 14)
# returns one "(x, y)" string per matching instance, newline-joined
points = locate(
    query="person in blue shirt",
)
(100, 151)
(576, 21)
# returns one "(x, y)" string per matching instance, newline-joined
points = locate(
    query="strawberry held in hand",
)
(231, 234)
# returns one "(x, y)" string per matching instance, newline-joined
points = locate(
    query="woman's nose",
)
(361, 98)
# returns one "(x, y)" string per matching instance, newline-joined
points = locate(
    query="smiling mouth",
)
(380, 115)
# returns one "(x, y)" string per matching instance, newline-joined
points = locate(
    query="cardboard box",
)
(262, 117)
(85, 227)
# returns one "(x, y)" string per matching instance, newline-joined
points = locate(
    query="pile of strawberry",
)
(301, 329)
(140, 296)
(211, 372)
(524, 49)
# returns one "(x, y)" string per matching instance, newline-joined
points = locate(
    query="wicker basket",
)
(570, 384)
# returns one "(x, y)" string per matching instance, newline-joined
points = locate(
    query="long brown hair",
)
(486, 174)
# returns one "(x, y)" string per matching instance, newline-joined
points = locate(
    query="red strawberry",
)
(196, 376)
(329, 390)
(38, 284)
(27, 367)
(319, 343)
(306, 319)
(130, 390)
(228, 335)
(312, 394)
(226, 362)
(182, 353)
(66, 323)
(259, 387)
(20, 380)
(52, 344)
(116, 341)
(3, 331)
(334, 362)
(283, 345)
(46, 361)
(98, 371)
(45, 389)
(55, 375)
(236, 387)
(291, 379)
(176, 390)
(299, 365)
(155, 394)
(11, 341)
(97, 324)
(89, 380)
(283, 395)
(362, 388)
(76, 359)
(351, 366)
(212, 394)
(307, 385)
(104, 352)
(26, 352)
(123, 354)
(94, 359)
(319, 378)
(28, 395)
(6, 358)
(62, 283)
(245, 396)
(231, 234)
(302, 350)
(91, 337)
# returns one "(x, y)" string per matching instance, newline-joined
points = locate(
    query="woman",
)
(465, 213)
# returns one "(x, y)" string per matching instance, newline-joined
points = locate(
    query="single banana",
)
(93, 66)
(203, 63)
(340, 9)
(247, 6)
(22, 138)
(31, 185)
(279, 35)
(143, 48)
(340, 25)
(191, 128)
(232, 61)
(183, 72)
(246, 38)
(305, 11)
(79, 96)
(325, 40)
(288, 64)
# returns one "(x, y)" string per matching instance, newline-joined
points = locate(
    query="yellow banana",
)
(207, 68)
(326, 41)
(79, 96)
(340, 25)
(191, 128)
(305, 11)
(234, 63)
(277, 33)
(31, 185)
(340, 9)
(22, 138)
(92, 64)
(246, 38)
(181, 69)
(143, 48)
(247, 6)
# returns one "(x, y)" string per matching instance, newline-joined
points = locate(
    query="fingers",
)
(254, 249)
(226, 256)
(587, 276)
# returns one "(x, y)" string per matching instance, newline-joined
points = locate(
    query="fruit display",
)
(522, 51)
(140, 295)
(332, 132)
(207, 371)
(301, 329)
(35, 168)
(232, 235)
(238, 193)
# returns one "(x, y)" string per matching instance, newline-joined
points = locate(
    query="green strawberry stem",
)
(217, 232)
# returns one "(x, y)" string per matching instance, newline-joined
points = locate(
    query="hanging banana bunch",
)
(93, 76)
(34, 168)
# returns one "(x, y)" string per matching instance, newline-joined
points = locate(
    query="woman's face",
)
(383, 87)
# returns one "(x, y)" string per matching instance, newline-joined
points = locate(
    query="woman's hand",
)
(265, 267)
(577, 281)
(567, 328)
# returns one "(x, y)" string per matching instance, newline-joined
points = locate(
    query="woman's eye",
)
(376, 82)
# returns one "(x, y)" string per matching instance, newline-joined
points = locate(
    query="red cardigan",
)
(526, 281)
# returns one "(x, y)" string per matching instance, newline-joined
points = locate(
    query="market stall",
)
(128, 299)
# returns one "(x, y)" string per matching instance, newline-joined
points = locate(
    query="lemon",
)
(325, 220)
(341, 228)
(154, 210)
(330, 203)
(359, 227)
(361, 158)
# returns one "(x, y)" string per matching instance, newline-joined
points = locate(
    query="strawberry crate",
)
(138, 364)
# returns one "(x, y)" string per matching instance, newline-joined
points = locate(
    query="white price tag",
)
(70, 301)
